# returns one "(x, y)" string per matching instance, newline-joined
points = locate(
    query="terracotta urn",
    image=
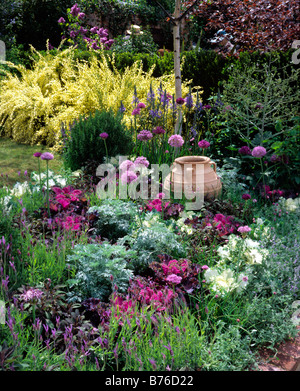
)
(184, 173)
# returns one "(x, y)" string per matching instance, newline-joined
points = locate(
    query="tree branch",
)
(166, 12)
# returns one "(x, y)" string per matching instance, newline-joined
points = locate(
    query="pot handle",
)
(215, 166)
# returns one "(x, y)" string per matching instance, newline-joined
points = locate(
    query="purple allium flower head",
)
(141, 105)
(206, 107)
(47, 156)
(176, 141)
(246, 196)
(245, 150)
(136, 111)
(180, 101)
(37, 154)
(259, 152)
(103, 135)
(144, 135)
(61, 20)
(203, 144)
(141, 160)
(158, 130)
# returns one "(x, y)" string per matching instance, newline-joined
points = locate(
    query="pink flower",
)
(136, 111)
(144, 135)
(47, 156)
(203, 144)
(174, 279)
(31, 294)
(204, 267)
(246, 196)
(141, 160)
(81, 15)
(141, 105)
(176, 141)
(126, 164)
(103, 135)
(61, 20)
(128, 177)
(74, 11)
(158, 130)
(37, 154)
(244, 229)
(259, 152)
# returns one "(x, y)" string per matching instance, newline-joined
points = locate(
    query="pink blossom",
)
(174, 279)
(259, 152)
(244, 229)
(176, 141)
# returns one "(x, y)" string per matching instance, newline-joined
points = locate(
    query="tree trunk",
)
(177, 70)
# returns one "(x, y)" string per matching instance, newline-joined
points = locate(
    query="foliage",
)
(141, 42)
(151, 240)
(97, 269)
(271, 25)
(83, 144)
(113, 218)
(58, 90)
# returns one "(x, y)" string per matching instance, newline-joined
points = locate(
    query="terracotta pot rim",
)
(192, 159)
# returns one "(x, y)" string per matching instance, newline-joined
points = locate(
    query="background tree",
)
(262, 25)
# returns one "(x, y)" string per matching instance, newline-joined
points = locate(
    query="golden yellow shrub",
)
(59, 89)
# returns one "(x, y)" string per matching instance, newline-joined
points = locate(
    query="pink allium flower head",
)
(37, 154)
(158, 130)
(47, 156)
(203, 144)
(144, 135)
(174, 279)
(128, 177)
(31, 294)
(180, 101)
(244, 229)
(141, 105)
(246, 196)
(259, 152)
(176, 141)
(103, 135)
(204, 267)
(245, 150)
(126, 164)
(141, 160)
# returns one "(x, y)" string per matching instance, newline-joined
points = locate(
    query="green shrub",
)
(150, 241)
(84, 143)
(114, 218)
(98, 269)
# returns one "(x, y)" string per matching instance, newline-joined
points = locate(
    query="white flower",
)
(259, 221)
(253, 256)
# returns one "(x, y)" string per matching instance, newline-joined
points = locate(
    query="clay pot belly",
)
(184, 173)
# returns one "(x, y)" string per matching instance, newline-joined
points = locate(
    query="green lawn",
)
(15, 157)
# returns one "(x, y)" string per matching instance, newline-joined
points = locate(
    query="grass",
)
(16, 157)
